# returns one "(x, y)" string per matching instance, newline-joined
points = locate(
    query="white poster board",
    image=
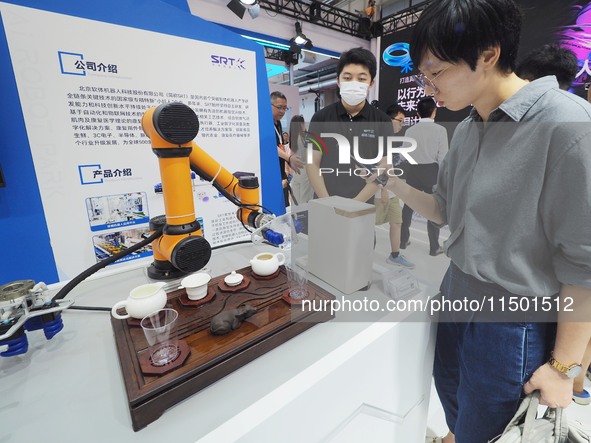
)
(83, 87)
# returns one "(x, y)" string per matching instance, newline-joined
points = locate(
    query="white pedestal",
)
(335, 381)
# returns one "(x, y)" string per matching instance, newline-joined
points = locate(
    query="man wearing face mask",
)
(352, 121)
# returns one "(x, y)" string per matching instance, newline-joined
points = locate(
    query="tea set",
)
(265, 263)
(148, 298)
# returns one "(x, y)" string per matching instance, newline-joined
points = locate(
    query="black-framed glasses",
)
(425, 82)
(281, 108)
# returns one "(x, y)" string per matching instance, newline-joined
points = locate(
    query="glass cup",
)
(160, 329)
(297, 280)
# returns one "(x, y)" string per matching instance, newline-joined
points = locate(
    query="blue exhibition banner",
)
(79, 173)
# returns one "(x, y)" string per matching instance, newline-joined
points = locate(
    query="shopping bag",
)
(552, 427)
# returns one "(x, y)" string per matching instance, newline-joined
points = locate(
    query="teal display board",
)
(139, 53)
(544, 22)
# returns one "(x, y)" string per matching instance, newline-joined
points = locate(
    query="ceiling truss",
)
(343, 21)
(315, 12)
(274, 54)
(403, 19)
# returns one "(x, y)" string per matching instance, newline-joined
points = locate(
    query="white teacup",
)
(196, 285)
(142, 300)
(265, 263)
(233, 279)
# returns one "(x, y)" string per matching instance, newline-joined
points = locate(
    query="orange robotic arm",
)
(243, 191)
(181, 249)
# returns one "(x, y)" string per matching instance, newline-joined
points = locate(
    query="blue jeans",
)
(481, 367)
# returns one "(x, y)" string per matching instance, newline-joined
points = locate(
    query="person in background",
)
(512, 190)
(431, 148)
(388, 205)
(397, 115)
(353, 118)
(551, 59)
(301, 189)
(278, 108)
(371, 9)
(285, 138)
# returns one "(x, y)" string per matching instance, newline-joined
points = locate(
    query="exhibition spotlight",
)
(300, 39)
(239, 6)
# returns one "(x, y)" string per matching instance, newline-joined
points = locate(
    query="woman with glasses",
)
(515, 190)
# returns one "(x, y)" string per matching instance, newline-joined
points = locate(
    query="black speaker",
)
(236, 7)
(363, 27)
(290, 58)
(377, 29)
(315, 10)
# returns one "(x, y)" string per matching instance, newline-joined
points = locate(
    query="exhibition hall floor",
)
(432, 269)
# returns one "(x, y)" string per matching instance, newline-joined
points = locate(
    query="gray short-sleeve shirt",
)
(516, 192)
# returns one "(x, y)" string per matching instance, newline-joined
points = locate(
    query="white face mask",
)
(353, 92)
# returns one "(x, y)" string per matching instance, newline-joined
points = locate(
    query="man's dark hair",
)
(551, 59)
(425, 107)
(358, 56)
(276, 94)
(461, 30)
(394, 110)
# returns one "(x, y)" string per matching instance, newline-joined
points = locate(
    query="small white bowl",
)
(196, 285)
(233, 279)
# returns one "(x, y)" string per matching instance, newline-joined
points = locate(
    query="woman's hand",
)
(556, 389)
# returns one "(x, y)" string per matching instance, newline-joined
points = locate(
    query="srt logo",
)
(227, 62)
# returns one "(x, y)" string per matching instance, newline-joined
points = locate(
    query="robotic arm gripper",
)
(180, 249)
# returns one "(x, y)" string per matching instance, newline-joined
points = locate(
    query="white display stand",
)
(336, 382)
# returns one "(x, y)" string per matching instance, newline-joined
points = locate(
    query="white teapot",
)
(142, 300)
(265, 263)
